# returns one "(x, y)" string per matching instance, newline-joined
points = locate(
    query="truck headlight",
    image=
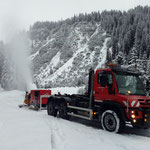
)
(134, 120)
(146, 115)
(145, 120)
(132, 116)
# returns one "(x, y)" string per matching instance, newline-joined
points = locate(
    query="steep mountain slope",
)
(80, 42)
(67, 55)
(64, 51)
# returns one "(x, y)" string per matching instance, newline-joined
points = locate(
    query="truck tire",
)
(51, 109)
(63, 111)
(111, 121)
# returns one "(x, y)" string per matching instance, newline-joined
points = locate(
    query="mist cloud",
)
(18, 50)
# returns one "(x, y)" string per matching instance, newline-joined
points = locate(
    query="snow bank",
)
(65, 90)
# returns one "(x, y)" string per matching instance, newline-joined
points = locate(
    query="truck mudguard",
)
(114, 105)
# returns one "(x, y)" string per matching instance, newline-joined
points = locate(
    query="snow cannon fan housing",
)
(39, 97)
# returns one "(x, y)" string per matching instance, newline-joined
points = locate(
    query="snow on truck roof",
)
(122, 70)
(125, 70)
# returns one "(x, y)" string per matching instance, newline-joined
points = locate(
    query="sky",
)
(20, 14)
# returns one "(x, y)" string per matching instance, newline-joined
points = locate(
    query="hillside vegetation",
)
(64, 51)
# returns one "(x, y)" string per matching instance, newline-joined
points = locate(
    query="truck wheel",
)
(51, 109)
(63, 111)
(111, 121)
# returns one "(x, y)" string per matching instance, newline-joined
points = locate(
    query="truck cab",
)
(122, 89)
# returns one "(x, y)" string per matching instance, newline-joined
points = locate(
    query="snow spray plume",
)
(17, 49)
(19, 53)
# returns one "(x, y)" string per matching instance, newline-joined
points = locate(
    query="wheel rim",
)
(110, 122)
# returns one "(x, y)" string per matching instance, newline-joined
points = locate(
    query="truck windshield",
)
(131, 83)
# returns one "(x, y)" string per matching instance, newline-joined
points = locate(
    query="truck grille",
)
(144, 101)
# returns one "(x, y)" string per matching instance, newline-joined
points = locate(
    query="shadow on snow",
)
(128, 129)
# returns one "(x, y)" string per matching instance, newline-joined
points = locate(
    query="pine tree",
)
(1, 58)
(133, 57)
(8, 76)
(144, 63)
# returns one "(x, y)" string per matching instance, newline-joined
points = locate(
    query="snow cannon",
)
(39, 98)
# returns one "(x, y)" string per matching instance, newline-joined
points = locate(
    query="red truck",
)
(115, 97)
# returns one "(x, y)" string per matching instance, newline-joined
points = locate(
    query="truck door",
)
(100, 86)
(103, 86)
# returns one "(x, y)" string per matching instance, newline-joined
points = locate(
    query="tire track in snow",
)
(58, 141)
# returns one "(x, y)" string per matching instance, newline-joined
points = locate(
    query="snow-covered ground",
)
(24, 129)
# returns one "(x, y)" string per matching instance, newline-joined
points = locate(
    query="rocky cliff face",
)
(65, 56)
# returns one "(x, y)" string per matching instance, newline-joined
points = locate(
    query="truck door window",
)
(102, 78)
(110, 82)
(110, 78)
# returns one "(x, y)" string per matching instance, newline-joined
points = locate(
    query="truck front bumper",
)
(143, 122)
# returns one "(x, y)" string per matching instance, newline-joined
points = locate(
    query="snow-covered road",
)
(24, 129)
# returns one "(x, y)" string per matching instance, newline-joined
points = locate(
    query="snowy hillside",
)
(67, 60)
(24, 129)
(62, 52)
